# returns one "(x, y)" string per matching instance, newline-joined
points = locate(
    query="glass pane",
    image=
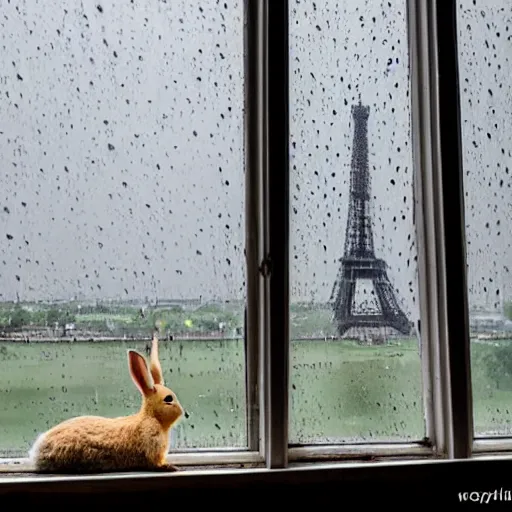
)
(485, 67)
(122, 203)
(355, 359)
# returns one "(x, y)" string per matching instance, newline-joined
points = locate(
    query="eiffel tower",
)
(359, 261)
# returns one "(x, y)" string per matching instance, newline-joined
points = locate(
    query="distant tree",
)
(19, 317)
(207, 324)
(52, 316)
(508, 310)
(37, 318)
(60, 318)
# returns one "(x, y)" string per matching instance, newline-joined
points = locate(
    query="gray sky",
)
(485, 46)
(159, 212)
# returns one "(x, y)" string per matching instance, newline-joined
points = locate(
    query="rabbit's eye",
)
(168, 399)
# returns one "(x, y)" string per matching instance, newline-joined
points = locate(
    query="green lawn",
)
(340, 391)
(43, 383)
(343, 390)
(492, 387)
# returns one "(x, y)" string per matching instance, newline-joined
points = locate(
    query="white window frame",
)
(445, 360)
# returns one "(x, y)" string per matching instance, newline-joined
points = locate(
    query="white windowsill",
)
(296, 454)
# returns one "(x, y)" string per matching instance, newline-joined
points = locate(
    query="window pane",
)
(122, 203)
(355, 363)
(485, 66)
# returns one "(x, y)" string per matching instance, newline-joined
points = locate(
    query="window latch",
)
(265, 267)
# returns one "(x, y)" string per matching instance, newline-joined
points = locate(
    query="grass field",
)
(340, 391)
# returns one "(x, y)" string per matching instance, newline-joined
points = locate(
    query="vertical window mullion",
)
(443, 37)
(253, 222)
(425, 223)
(275, 264)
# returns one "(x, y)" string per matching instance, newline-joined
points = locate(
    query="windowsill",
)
(411, 470)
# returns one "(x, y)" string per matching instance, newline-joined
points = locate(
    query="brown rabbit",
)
(93, 444)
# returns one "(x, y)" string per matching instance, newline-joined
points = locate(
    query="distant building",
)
(488, 322)
(68, 328)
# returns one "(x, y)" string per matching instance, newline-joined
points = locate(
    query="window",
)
(288, 192)
(356, 372)
(485, 66)
(122, 208)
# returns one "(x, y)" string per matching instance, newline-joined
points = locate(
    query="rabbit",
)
(94, 444)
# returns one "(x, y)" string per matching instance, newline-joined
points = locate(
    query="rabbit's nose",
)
(186, 414)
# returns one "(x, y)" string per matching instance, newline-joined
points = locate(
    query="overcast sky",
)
(122, 146)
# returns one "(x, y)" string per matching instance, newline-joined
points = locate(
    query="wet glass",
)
(485, 68)
(122, 207)
(355, 349)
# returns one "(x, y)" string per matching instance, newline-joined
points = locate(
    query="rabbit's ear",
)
(139, 372)
(156, 369)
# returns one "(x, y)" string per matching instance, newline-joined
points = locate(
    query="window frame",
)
(429, 88)
(448, 158)
(437, 150)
